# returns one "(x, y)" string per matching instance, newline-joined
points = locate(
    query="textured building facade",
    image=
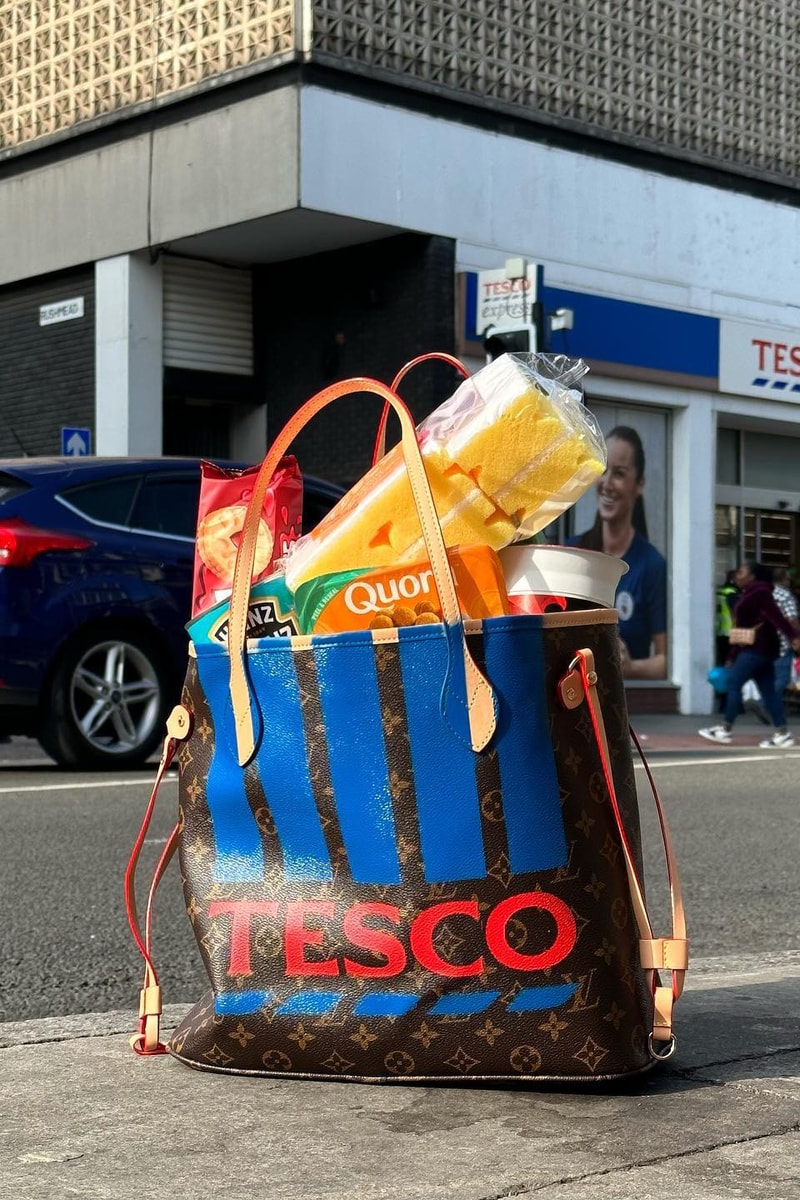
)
(713, 83)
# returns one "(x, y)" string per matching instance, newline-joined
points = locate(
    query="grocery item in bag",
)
(224, 493)
(353, 600)
(507, 451)
(384, 853)
(270, 613)
(587, 577)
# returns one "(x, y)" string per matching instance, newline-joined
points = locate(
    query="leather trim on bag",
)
(584, 616)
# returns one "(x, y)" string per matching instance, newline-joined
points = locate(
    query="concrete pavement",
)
(81, 1115)
(675, 731)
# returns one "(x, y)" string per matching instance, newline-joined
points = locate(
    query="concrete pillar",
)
(128, 356)
(691, 559)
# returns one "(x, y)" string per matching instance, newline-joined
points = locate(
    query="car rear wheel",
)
(107, 704)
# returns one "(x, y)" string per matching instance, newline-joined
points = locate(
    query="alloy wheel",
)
(115, 697)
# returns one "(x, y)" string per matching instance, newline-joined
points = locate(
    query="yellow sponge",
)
(546, 487)
(532, 449)
(376, 524)
(504, 455)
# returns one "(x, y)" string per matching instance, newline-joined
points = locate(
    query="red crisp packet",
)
(224, 495)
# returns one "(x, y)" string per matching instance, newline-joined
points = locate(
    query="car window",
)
(108, 500)
(11, 486)
(168, 504)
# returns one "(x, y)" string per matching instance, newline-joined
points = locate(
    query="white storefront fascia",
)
(596, 225)
(760, 360)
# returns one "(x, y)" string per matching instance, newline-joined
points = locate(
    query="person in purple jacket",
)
(756, 609)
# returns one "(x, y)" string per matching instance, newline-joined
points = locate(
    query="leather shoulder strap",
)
(479, 699)
(380, 440)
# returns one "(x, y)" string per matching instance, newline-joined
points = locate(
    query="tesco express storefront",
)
(716, 405)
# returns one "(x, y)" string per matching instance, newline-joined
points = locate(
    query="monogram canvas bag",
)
(412, 853)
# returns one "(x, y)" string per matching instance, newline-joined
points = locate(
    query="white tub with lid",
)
(569, 571)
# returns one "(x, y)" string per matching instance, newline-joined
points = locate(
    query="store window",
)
(770, 461)
(728, 451)
(757, 514)
(754, 535)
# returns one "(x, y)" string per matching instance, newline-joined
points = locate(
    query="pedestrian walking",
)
(727, 595)
(756, 611)
(787, 603)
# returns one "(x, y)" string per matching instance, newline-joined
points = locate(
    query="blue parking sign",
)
(75, 442)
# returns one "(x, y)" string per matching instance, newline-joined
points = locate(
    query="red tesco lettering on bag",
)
(385, 942)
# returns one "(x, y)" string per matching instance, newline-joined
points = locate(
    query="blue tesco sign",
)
(75, 443)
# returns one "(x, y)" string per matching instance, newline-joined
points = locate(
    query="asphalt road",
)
(64, 841)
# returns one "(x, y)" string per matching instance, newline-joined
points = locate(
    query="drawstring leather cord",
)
(655, 954)
(147, 1039)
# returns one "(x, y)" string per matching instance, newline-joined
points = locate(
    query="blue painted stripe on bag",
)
(453, 704)
(528, 779)
(309, 1004)
(282, 760)
(231, 1004)
(239, 856)
(536, 998)
(351, 707)
(385, 1004)
(460, 1004)
(444, 767)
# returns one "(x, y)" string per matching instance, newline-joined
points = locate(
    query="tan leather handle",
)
(380, 440)
(480, 699)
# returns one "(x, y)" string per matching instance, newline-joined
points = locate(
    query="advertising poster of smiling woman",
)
(627, 516)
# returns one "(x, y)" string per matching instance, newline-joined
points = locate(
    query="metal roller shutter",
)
(208, 317)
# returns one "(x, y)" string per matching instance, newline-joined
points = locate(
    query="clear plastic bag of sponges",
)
(512, 448)
(520, 430)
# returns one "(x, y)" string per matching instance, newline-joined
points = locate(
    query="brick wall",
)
(46, 372)
(361, 311)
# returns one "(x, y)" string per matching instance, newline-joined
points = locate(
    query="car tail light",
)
(21, 543)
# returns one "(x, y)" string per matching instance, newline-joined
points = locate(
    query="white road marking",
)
(93, 783)
(22, 763)
(716, 760)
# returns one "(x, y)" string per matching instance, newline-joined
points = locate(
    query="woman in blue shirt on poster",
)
(620, 528)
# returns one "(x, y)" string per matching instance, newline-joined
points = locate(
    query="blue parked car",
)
(96, 561)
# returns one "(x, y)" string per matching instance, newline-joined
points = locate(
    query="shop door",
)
(770, 537)
(755, 535)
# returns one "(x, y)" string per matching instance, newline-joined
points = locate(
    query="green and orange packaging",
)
(402, 595)
(270, 613)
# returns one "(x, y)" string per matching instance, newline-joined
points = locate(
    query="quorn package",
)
(404, 595)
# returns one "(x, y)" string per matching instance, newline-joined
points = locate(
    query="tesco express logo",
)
(365, 597)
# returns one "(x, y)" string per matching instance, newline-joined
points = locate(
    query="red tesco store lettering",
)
(779, 358)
